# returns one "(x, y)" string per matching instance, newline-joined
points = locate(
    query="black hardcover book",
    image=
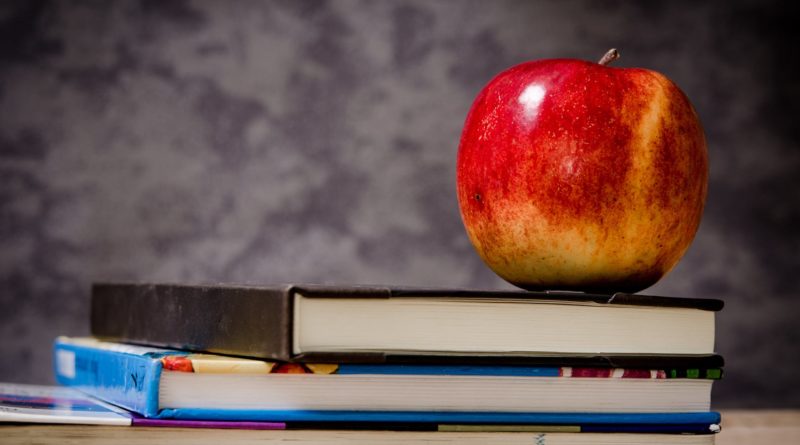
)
(339, 324)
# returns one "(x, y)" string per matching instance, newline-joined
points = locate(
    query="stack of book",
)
(549, 367)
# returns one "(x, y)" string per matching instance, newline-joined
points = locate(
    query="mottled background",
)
(261, 142)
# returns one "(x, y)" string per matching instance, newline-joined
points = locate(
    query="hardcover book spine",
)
(251, 322)
(127, 380)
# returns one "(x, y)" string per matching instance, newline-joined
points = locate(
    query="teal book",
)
(174, 384)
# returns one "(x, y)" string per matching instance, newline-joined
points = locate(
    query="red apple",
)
(579, 176)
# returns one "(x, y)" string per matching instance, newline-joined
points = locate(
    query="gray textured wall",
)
(262, 142)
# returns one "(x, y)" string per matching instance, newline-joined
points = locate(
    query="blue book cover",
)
(145, 380)
(125, 375)
(692, 421)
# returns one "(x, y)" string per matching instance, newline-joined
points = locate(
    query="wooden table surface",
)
(738, 428)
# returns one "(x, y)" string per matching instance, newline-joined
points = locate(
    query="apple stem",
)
(610, 56)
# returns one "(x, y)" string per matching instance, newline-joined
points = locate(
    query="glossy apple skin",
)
(578, 176)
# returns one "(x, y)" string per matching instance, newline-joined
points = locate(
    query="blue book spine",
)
(700, 420)
(125, 379)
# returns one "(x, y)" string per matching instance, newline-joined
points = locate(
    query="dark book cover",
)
(256, 321)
